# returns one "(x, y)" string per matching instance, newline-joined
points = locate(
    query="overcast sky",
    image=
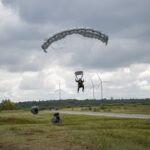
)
(27, 73)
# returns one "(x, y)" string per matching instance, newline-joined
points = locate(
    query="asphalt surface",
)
(120, 115)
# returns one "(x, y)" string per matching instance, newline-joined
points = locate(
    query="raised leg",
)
(83, 88)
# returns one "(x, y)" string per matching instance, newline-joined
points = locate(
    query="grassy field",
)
(20, 130)
(116, 108)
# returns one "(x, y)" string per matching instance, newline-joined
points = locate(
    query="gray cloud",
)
(106, 15)
(121, 53)
(119, 19)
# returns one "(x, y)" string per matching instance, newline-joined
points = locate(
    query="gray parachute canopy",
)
(90, 33)
(79, 73)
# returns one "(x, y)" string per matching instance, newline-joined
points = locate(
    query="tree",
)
(7, 105)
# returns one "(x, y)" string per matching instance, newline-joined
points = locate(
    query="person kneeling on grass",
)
(56, 118)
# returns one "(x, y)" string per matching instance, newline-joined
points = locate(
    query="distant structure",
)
(101, 85)
(93, 87)
(59, 90)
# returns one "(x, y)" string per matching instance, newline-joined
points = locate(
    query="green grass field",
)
(137, 108)
(20, 130)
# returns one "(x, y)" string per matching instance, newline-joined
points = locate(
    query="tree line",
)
(56, 104)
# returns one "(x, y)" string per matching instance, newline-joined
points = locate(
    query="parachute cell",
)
(90, 33)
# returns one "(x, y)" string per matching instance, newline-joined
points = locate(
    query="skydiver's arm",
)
(76, 80)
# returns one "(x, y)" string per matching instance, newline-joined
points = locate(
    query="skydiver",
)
(80, 84)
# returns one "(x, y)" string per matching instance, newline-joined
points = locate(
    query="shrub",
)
(7, 105)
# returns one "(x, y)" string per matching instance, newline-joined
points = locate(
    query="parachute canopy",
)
(79, 73)
(86, 32)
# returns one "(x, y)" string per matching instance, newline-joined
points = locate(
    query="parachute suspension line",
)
(90, 33)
